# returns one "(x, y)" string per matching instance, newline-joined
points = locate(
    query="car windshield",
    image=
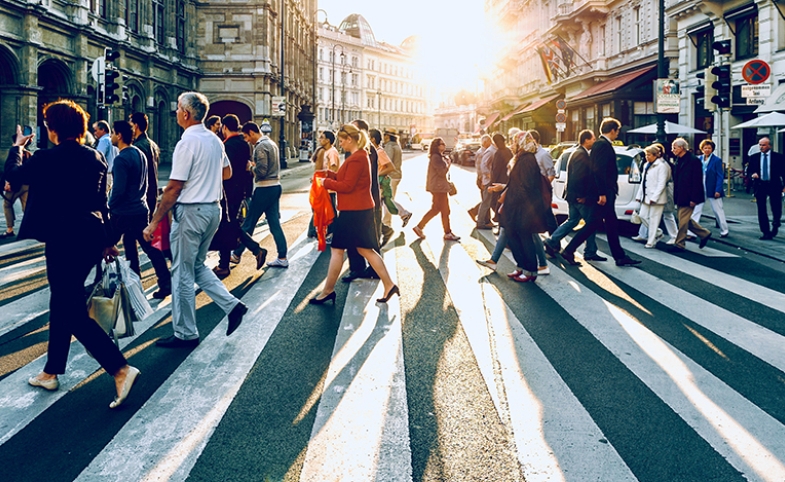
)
(623, 162)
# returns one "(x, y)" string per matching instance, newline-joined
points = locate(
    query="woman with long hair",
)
(73, 244)
(523, 211)
(355, 224)
(439, 186)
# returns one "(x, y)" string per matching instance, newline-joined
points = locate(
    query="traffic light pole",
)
(662, 70)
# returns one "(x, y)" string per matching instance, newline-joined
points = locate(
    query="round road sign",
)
(756, 72)
(561, 118)
(560, 104)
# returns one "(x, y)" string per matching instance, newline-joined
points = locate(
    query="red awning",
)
(517, 111)
(536, 105)
(613, 84)
(488, 122)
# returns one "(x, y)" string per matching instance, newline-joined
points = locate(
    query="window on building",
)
(643, 114)
(602, 40)
(180, 26)
(355, 78)
(103, 8)
(704, 53)
(132, 15)
(158, 21)
(355, 62)
(747, 36)
(321, 73)
(618, 34)
(321, 54)
(637, 26)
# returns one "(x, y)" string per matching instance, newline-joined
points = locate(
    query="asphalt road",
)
(672, 370)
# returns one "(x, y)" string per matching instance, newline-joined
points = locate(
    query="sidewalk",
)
(742, 215)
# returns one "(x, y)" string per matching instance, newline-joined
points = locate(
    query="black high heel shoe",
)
(317, 301)
(393, 291)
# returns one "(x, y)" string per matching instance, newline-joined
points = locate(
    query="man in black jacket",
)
(603, 161)
(767, 170)
(139, 123)
(688, 192)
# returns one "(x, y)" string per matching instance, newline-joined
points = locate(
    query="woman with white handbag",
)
(653, 195)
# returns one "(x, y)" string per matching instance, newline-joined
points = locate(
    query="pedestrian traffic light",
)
(111, 55)
(723, 86)
(110, 86)
(126, 98)
(707, 89)
(722, 47)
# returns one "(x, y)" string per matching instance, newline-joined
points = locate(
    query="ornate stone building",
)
(228, 50)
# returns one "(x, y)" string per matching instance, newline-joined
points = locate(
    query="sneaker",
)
(659, 233)
(418, 231)
(639, 239)
(279, 263)
(543, 270)
(650, 246)
(405, 219)
(487, 263)
(671, 242)
(451, 237)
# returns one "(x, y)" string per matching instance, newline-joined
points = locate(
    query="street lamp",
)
(282, 137)
(332, 101)
(662, 70)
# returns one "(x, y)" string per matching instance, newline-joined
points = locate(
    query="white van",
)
(629, 162)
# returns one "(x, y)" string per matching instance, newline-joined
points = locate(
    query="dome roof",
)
(356, 26)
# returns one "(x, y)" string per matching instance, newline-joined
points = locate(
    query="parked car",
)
(464, 152)
(425, 144)
(557, 149)
(629, 162)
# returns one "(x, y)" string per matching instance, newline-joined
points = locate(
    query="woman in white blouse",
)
(652, 194)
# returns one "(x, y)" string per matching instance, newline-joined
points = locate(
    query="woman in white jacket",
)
(653, 194)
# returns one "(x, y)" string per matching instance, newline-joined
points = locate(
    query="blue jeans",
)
(265, 200)
(502, 240)
(566, 228)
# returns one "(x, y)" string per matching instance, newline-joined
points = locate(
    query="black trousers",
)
(68, 263)
(522, 247)
(130, 227)
(768, 190)
(595, 217)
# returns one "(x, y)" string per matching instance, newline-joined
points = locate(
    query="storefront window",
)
(643, 114)
(704, 53)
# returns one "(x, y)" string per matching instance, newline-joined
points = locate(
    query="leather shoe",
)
(162, 293)
(595, 257)
(369, 273)
(570, 258)
(775, 230)
(236, 317)
(549, 250)
(128, 383)
(627, 262)
(353, 275)
(174, 342)
(703, 242)
(766, 237)
(51, 384)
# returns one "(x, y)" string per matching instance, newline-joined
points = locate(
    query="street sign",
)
(756, 71)
(761, 91)
(266, 128)
(561, 104)
(561, 118)
(99, 67)
(278, 109)
(756, 100)
(561, 126)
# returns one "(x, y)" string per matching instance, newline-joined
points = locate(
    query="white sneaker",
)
(671, 242)
(650, 246)
(639, 239)
(487, 263)
(543, 270)
(278, 263)
(659, 233)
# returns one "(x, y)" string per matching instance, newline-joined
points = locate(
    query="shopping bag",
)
(161, 235)
(109, 303)
(140, 307)
(102, 308)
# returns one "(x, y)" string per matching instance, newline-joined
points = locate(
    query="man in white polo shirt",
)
(199, 164)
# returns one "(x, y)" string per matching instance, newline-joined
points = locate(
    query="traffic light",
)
(722, 47)
(723, 86)
(707, 89)
(110, 86)
(126, 98)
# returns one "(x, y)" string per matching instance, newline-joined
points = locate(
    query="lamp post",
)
(662, 70)
(332, 100)
(282, 137)
(316, 57)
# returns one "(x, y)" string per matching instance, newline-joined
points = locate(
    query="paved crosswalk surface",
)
(670, 371)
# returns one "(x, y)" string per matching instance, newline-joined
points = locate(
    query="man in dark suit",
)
(688, 192)
(603, 162)
(767, 170)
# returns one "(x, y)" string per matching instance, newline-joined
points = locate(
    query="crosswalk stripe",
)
(361, 428)
(166, 446)
(747, 437)
(760, 294)
(757, 340)
(21, 270)
(552, 430)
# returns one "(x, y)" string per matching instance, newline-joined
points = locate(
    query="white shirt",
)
(485, 164)
(106, 148)
(199, 159)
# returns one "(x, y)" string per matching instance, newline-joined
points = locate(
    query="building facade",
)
(360, 76)
(47, 48)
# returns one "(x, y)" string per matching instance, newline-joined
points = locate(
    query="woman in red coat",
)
(355, 225)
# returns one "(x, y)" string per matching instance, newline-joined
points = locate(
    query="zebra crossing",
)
(669, 371)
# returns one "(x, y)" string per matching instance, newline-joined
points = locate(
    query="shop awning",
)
(611, 85)
(488, 122)
(775, 102)
(514, 112)
(536, 105)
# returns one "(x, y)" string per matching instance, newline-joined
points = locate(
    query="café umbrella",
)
(670, 128)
